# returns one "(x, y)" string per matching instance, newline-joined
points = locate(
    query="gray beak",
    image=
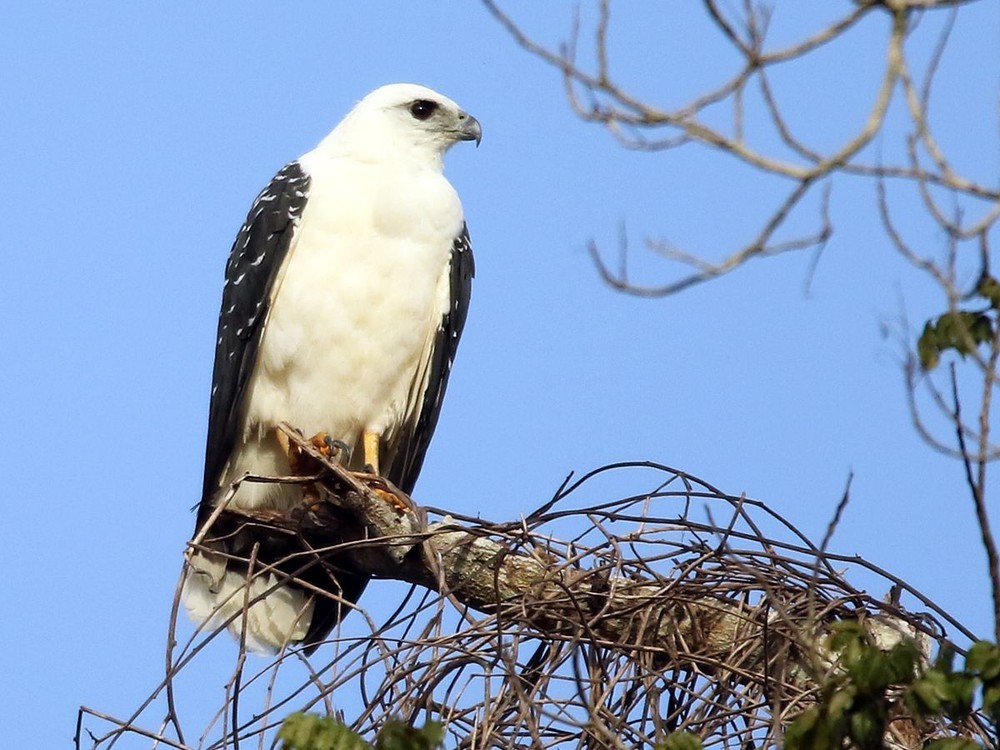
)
(470, 129)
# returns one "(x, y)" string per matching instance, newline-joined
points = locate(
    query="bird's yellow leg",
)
(286, 446)
(371, 448)
(292, 453)
(298, 463)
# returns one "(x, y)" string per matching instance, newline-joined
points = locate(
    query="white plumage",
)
(359, 297)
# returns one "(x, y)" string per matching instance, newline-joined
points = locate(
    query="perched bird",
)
(346, 293)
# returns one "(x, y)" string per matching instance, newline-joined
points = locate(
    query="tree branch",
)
(631, 612)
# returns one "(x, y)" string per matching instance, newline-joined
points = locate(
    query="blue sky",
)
(134, 137)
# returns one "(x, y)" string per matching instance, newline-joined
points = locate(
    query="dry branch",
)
(908, 132)
(765, 138)
(601, 625)
(666, 618)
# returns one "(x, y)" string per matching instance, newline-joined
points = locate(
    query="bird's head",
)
(404, 120)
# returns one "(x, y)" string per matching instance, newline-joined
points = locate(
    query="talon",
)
(301, 463)
(331, 447)
(395, 500)
(296, 460)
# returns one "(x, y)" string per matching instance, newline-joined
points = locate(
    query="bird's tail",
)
(264, 612)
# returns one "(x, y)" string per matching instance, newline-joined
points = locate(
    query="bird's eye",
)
(423, 108)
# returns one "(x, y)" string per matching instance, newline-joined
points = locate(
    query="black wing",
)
(257, 254)
(415, 438)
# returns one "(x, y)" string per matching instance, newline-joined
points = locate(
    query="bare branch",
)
(638, 124)
(637, 619)
(760, 246)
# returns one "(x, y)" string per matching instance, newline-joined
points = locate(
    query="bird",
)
(346, 293)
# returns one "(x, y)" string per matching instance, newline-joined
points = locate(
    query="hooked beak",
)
(470, 129)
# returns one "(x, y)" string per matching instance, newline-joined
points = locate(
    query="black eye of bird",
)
(423, 108)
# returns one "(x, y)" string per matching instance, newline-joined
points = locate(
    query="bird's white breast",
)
(355, 307)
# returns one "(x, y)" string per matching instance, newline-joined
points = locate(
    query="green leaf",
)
(928, 695)
(961, 690)
(871, 672)
(960, 330)
(991, 701)
(902, 661)
(945, 659)
(989, 288)
(929, 348)
(398, 735)
(798, 733)
(680, 741)
(848, 639)
(302, 731)
(984, 658)
(811, 730)
(969, 329)
(840, 702)
(867, 728)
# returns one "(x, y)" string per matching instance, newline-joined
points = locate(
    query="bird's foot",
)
(331, 447)
(300, 463)
(398, 501)
(386, 491)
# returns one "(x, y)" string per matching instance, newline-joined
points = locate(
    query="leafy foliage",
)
(855, 705)
(961, 330)
(983, 662)
(398, 735)
(302, 731)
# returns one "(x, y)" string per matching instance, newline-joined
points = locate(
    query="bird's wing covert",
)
(258, 252)
(416, 437)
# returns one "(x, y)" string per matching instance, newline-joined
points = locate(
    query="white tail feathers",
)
(277, 615)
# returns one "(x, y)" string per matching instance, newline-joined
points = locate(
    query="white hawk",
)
(346, 293)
